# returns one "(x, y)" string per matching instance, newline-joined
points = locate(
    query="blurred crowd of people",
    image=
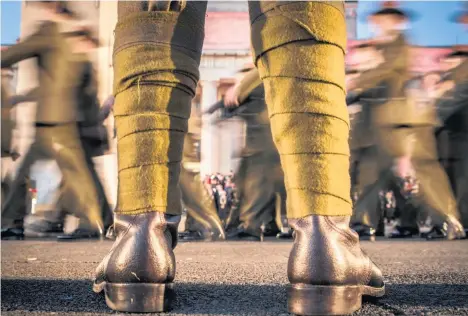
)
(222, 190)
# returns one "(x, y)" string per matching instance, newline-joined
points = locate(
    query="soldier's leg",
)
(367, 213)
(299, 50)
(200, 206)
(157, 52)
(232, 221)
(436, 193)
(106, 212)
(460, 167)
(62, 143)
(256, 207)
(434, 185)
(14, 206)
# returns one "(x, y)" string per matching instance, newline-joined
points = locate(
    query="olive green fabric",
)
(156, 58)
(299, 52)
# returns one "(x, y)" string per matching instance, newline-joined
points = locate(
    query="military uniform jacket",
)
(48, 46)
(392, 107)
(361, 128)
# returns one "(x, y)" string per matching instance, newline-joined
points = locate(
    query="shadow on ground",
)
(76, 296)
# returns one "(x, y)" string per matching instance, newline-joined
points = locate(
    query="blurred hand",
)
(231, 98)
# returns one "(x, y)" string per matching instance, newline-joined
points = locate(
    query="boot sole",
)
(137, 297)
(311, 300)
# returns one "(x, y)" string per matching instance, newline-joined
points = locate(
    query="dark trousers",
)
(258, 180)
(457, 170)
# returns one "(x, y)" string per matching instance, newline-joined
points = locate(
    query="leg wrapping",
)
(156, 57)
(299, 51)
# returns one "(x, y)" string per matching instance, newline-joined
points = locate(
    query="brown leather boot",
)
(328, 271)
(137, 274)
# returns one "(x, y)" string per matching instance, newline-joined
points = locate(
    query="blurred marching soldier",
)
(405, 135)
(364, 166)
(56, 131)
(202, 220)
(452, 107)
(259, 180)
(92, 132)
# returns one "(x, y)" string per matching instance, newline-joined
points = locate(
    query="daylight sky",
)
(431, 29)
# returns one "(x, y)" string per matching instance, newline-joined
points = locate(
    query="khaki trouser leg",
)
(299, 51)
(157, 52)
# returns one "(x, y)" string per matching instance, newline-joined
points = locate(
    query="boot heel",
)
(308, 300)
(139, 297)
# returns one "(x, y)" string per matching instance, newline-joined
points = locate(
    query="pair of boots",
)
(327, 269)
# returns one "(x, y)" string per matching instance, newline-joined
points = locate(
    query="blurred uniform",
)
(402, 130)
(56, 131)
(453, 110)
(202, 218)
(92, 133)
(260, 179)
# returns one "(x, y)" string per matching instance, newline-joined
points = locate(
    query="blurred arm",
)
(30, 96)
(32, 46)
(248, 84)
(394, 57)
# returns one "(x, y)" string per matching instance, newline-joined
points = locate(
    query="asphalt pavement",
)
(44, 277)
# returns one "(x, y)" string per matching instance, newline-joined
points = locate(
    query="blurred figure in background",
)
(260, 169)
(92, 132)
(452, 107)
(56, 116)
(364, 168)
(202, 222)
(405, 135)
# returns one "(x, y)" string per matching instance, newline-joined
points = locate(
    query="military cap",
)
(391, 8)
